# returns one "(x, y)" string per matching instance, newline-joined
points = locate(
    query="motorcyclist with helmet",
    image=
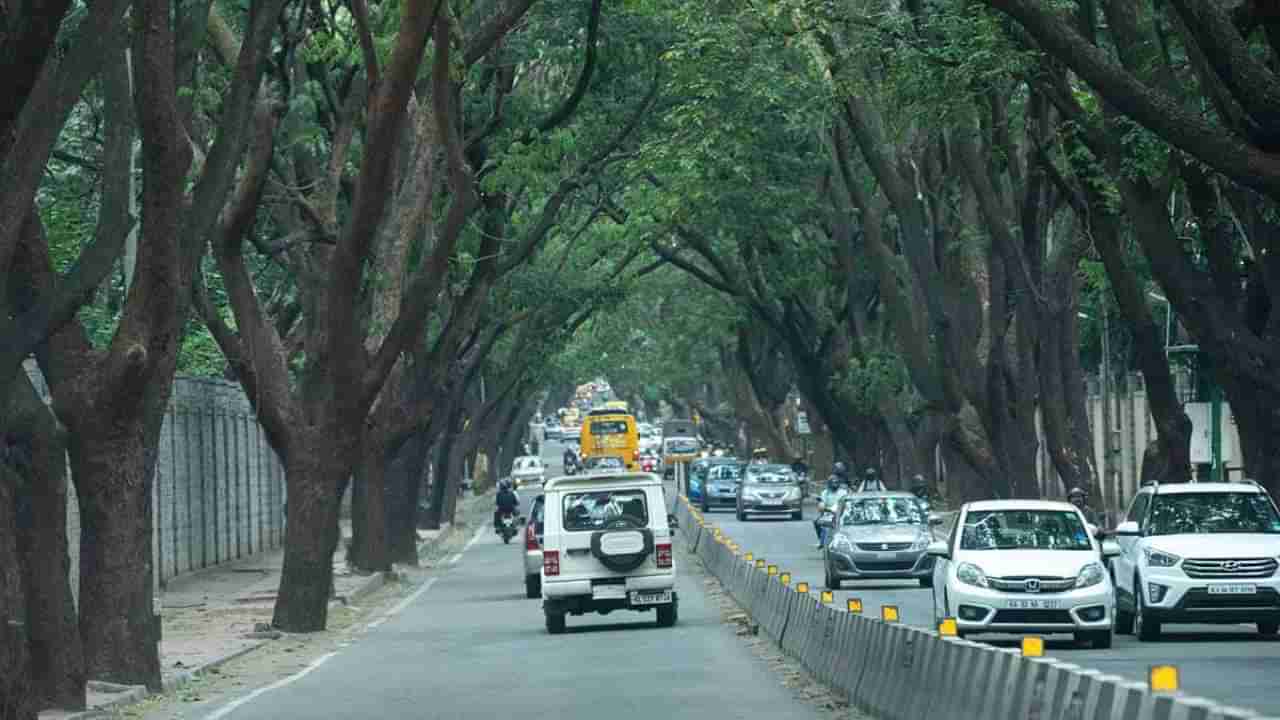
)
(508, 501)
(1080, 498)
(836, 490)
(920, 488)
(760, 456)
(570, 460)
(871, 481)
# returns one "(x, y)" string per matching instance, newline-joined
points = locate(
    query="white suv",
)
(1024, 566)
(606, 546)
(1198, 553)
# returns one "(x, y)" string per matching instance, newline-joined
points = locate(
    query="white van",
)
(607, 546)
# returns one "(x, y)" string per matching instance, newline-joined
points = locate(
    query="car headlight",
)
(921, 542)
(792, 494)
(1155, 558)
(842, 543)
(971, 574)
(1090, 575)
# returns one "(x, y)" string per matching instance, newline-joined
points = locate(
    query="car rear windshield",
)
(608, 427)
(884, 511)
(1224, 512)
(726, 472)
(1024, 530)
(593, 510)
(682, 446)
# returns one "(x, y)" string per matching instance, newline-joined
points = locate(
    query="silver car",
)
(528, 470)
(769, 490)
(880, 535)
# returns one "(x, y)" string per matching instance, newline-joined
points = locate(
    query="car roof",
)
(985, 505)
(602, 481)
(1202, 487)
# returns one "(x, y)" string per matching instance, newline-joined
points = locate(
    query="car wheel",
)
(667, 615)
(533, 586)
(1097, 639)
(706, 508)
(555, 623)
(1146, 628)
(1268, 628)
(832, 582)
(926, 582)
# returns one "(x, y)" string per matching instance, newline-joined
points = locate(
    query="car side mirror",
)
(1110, 548)
(1128, 528)
(939, 548)
(935, 519)
(672, 522)
(1093, 530)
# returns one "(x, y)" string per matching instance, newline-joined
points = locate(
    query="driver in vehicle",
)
(507, 501)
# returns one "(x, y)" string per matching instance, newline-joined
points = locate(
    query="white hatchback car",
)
(606, 546)
(1198, 553)
(1024, 566)
(528, 470)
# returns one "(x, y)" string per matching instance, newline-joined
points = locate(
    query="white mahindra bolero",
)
(607, 546)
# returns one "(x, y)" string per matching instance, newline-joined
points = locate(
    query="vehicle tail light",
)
(551, 562)
(530, 538)
(635, 455)
(663, 554)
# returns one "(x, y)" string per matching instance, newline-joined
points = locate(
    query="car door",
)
(1124, 564)
(941, 567)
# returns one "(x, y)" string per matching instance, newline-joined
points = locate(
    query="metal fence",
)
(219, 487)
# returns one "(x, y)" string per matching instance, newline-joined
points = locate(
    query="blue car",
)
(698, 471)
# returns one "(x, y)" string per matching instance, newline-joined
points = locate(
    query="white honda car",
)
(1024, 566)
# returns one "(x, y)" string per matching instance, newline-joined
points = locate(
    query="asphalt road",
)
(471, 646)
(1228, 663)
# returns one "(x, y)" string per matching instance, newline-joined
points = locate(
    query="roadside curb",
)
(138, 693)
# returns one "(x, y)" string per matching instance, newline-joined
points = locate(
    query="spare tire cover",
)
(623, 544)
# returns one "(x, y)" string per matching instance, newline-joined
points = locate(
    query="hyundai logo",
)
(884, 546)
(1230, 566)
(1032, 584)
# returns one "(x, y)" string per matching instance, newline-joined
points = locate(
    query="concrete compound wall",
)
(896, 672)
(219, 487)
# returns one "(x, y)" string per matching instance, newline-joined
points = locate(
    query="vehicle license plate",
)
(609, 592)
(1034, 604)
(651, 598)
(886, 556)
(1233, 589)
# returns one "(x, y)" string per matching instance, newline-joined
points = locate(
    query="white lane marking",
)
(400, 606)
(474, 539)
(233, 705)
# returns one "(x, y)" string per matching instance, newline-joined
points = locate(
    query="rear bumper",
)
(582, 604)
(552, 588)
(532, 562)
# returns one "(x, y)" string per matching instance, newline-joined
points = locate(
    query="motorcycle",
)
(824, 522)
(507, 527)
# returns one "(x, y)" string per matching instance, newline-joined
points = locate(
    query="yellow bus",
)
(618, 405)
(609, 432)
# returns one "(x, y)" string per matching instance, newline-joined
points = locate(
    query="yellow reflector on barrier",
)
(828, 597)
(802, 587)
(750, 557)
(785, 578)
(889, 613)
(1163, 678)
(1033, 646)
(760, 564)
(948, 627)
(773, 569)
(854, 606)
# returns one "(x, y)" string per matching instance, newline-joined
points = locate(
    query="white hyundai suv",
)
(1198, 553)
(1024, 566)
(606, 546)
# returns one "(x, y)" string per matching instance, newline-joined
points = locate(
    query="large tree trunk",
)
(17, 694)
(404, 486)
(118, 623)
(315, 472)
(370, 549)
(57, 657)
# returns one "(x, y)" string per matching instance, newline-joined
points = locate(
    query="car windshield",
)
(1024, 530)
(682, 446)
(608, 427)
(884, 511)
(726, 472)
(593, 510)
(771, 478)
(1222, 512)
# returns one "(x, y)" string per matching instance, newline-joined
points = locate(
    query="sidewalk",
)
(215, 615)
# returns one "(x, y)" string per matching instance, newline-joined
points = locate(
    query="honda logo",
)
(1032, 584)
(884, 546)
